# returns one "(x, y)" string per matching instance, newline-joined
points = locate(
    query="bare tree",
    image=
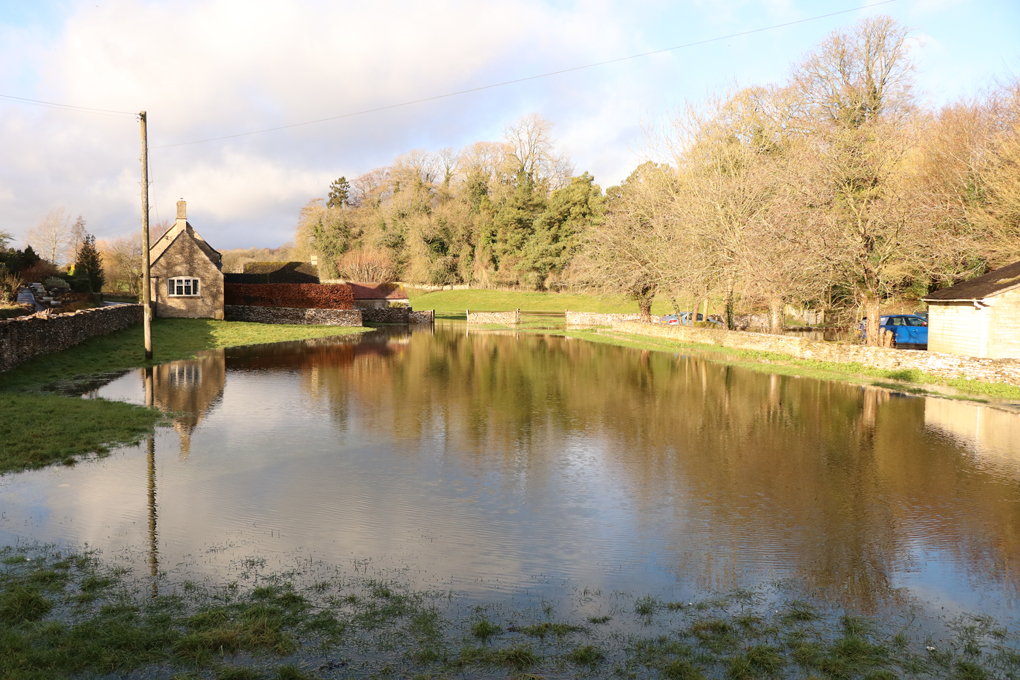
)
(534, 152)
(638, 249)
(854, 176)
(49, 237)
(122, 262)
(859, 76)
(417, 165)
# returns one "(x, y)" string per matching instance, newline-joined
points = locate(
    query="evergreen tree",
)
(89, 263)
(514, 225)
(339, 193)
(572, 210)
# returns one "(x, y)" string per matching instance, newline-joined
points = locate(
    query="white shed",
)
(979, 317)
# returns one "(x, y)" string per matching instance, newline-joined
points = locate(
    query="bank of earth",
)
(42, 421)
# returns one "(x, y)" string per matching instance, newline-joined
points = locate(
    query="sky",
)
(216, 68)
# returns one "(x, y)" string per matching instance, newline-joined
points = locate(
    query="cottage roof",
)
(182, 226)
(378, 291)
(987, 285)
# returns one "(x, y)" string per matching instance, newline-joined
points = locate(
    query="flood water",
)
(499, 465)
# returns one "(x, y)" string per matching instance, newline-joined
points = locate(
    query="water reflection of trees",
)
(837, 482)
(839, 485)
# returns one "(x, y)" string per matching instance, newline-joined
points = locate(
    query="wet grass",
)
(40, 425)
(293, 627)
(784, 364)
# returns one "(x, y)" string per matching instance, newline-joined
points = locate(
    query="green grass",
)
(785, 364)
(269, 625)
(452, 304)
(172, 339)
(41, 429)
(40, 426)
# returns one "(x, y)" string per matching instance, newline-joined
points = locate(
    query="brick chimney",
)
(182, 216)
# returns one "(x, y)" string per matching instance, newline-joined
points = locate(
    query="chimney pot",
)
(182, 213)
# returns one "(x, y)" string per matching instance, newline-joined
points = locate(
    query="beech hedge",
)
(302, 295)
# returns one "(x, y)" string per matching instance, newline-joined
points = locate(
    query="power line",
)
(66, 107)
(525, 79)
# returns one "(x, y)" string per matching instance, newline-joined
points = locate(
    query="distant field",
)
(451, 304)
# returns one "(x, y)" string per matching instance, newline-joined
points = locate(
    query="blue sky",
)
(221, 67)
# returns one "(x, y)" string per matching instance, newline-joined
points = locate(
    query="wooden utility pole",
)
(146, 280)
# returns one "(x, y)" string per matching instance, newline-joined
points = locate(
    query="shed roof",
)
(991, 284)
(378, 291)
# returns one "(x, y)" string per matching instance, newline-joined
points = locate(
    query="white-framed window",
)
(182, 286)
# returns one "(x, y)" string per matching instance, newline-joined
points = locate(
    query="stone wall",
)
(935, 363)
(502, 318)
(294, 315)
(591, 320)
(427, 316)
(399, 315)
(29, 336)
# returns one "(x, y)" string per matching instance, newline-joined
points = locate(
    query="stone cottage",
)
(379, 295)
(187, 280)
(979, 317)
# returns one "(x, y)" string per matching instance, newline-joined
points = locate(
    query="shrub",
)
(10, 284)
(304, 295)
(39, 272)
(57, 282)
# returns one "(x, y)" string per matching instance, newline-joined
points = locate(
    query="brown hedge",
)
(302, 295)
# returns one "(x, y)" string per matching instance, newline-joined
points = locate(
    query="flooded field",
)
(526, 468)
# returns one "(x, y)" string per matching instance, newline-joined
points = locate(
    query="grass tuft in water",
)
(483, 629)
(274, 627)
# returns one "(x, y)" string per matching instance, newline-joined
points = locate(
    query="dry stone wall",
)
(427, 316)
(399, 315)
(935, 363)
(294, 315)
(591, 320)
(30, 336)
(502, 318)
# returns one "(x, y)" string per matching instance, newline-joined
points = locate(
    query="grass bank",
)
(40, 425)
(785, 364)
(451, 304)
(70, 615)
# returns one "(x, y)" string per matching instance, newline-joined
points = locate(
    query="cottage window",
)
(182, 287)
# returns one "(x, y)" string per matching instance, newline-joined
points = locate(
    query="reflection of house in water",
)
(187, 391)
(990, 432)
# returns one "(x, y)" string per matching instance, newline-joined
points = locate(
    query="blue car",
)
(909, 330)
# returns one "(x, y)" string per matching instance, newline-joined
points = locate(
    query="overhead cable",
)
(66, 107)
(524, 79)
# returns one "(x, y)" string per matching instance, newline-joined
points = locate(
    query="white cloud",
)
(210, 68)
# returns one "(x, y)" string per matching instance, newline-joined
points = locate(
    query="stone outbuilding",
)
(379, 295)
(187, 280)
(979, 317)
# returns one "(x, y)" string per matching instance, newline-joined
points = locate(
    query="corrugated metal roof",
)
(987, 285)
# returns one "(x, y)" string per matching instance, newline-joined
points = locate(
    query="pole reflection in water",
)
(153, 544)
(489, 462)
(151, 459)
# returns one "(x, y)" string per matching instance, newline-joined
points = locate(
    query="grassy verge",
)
(785, 364)
(39, 427)
(451, 304)
(68, 615)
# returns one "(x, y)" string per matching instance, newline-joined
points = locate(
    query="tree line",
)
(836, 188)
(504, 213)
